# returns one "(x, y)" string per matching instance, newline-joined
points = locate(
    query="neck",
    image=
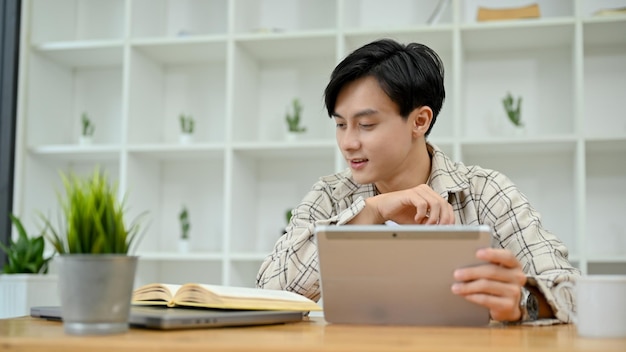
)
(415, 172)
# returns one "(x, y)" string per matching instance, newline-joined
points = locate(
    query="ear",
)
(421, 118)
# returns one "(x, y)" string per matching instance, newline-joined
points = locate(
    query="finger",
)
(428, 205)
(491, 272)
(500, 309)
(497, 256)
(446, 217)
(488, 287)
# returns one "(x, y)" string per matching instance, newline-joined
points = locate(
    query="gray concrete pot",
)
(95, 292)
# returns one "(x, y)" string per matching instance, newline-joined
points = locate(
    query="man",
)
(385, 98)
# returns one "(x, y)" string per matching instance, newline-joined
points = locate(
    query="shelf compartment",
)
(268, 88)
(43, 184)
(391, 14)
(604, 76)
(589, 7)
(542, 78)
(261, 16)
(162, 186)
(517, 36)
(67, 20)
(548, 9)
(196, 152)
(544, 172)
(605, 231)
(58, 94)
(301, 149)
(264, 187)
(163, 86)
(178, 19)
(183, 51)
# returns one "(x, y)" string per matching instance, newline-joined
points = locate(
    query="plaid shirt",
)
(477, 195)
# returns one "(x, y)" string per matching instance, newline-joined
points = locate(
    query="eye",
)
(366, 126)
(341, 125)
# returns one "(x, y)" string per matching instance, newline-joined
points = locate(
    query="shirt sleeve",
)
(293, 264)
(517, 226)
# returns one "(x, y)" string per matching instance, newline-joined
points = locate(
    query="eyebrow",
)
(362, 113)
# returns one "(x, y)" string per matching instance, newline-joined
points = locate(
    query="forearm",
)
(368, 215)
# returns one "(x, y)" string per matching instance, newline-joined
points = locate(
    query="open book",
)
(223, 297)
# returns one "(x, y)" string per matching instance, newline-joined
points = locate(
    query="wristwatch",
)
(528, 305)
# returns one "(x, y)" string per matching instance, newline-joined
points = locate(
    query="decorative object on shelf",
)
(96, 274)
(513, 111)
(293, 121)
(185, 225)
(513, 13)
(610, 12)
(25, 282)
(186, 128)
(88, 128)
(438, 11)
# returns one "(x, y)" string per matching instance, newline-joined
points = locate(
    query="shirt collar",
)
(444, 177)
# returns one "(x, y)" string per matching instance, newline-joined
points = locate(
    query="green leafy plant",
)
(88, 126)
(513, 110)
(26, 255)
(186, 123)
(184, 223)
(293, 119)
(288, 215)
(93, 218)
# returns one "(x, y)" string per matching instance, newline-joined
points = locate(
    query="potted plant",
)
(183, 217)
(96, 274)
(293, 121)
(24, 282)
(186, 128)
(513, 111)
(88, 128)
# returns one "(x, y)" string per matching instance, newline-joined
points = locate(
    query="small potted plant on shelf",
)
(293, 121)
(186, 128)
(513, 112)
(87, 130)
(24, 277)
(96, 273)
(183, 217)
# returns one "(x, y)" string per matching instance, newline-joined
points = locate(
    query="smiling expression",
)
(378, 144)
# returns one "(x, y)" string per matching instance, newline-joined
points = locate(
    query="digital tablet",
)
(398, 275)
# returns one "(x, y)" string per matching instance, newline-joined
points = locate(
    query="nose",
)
(348, 139)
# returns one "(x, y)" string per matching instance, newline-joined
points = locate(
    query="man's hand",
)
(417, 205)
(496, 285)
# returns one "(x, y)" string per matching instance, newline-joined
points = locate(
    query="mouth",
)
(357, 163)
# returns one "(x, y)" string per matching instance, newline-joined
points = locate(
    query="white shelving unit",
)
(235, 65)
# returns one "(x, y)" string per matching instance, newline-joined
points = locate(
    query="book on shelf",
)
(513, 13)
(222, 297)
(611, 12)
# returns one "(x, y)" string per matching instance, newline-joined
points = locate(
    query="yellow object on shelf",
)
(490, 14)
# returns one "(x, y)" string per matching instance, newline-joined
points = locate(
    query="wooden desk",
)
(31, 334)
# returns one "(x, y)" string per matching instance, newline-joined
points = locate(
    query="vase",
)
(293, 136)
(95, 292)
(183, 245)
(85, 140)
(185, 138)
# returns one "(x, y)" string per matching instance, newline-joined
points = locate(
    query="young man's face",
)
(376, 142)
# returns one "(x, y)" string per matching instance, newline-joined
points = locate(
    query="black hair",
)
(411, 75)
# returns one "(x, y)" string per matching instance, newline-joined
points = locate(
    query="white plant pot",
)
(185, 138)
(293, 136)
(85, 140)
(20, 292)
(183, 245)
(519, 131)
